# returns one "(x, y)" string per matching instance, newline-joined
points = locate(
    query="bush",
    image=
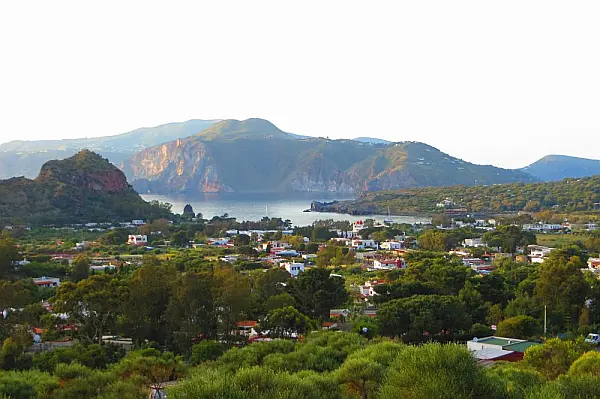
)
(206, 350)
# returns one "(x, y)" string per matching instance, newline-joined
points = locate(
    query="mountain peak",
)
(86, 169)
(234, 129)
(558, 167)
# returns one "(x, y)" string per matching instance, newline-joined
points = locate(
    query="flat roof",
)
(500, 341)
(520, 346)
(490, 353)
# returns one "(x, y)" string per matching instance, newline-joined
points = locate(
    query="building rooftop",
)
(520, 346)
(500, 341)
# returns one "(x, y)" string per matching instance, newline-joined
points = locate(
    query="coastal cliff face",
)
(255, 156)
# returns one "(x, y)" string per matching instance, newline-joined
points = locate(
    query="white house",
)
(391, 245)
(368, 289)
(137, 239)
(293, 268)
(537, 253)
(218, 241)
(593, 263)
(473, 242)
(276, 244)
(357, 226)
(591, 226)
(388, 264)
(362, 244)
(47, 282)
(543, 227)
(137, 222)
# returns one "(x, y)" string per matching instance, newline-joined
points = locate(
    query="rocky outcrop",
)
(82, 188)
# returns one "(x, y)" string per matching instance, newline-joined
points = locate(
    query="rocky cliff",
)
(82, 188)
(255, 156)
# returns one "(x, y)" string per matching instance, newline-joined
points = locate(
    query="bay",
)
(256, 206)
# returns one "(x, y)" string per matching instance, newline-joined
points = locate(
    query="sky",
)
(502, 82)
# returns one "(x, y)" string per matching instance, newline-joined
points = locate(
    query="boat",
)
(388, 220)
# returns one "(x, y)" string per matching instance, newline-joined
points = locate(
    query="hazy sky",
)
(501, 82)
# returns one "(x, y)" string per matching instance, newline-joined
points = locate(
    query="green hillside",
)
(255, 156)
(569, 195)
(82, 188)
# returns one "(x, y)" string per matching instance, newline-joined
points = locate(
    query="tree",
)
(554, 357)
(361, 376)
(206, 350)
(495, 314)
(563, 289)
(180, 238)
(508, 237)
(523, 327)
(94, 303)
(420, 314)
(433, 240)
(81, 268)
(8, 255)
(435, 371)
(145, 302)
(115, 237)
(473, 301)
(232, 295)
(286, 323)
(279, 301)
(191, 309)
(588, 363)
(241, 240)
(316, 292)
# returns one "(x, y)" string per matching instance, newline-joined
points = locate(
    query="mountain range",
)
(254, 155)
(25, 158)
(81, 188)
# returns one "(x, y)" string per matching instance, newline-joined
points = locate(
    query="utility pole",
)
(545, 311)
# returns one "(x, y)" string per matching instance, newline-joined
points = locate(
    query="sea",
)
(286, 206)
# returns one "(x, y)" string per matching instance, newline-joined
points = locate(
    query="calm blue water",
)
(256, 206)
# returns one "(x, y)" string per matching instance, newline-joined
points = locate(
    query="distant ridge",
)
(371, 140)
(255, 156)
(558, 167)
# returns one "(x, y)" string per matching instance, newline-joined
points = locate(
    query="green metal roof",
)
(494, 341)
(520, 346)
